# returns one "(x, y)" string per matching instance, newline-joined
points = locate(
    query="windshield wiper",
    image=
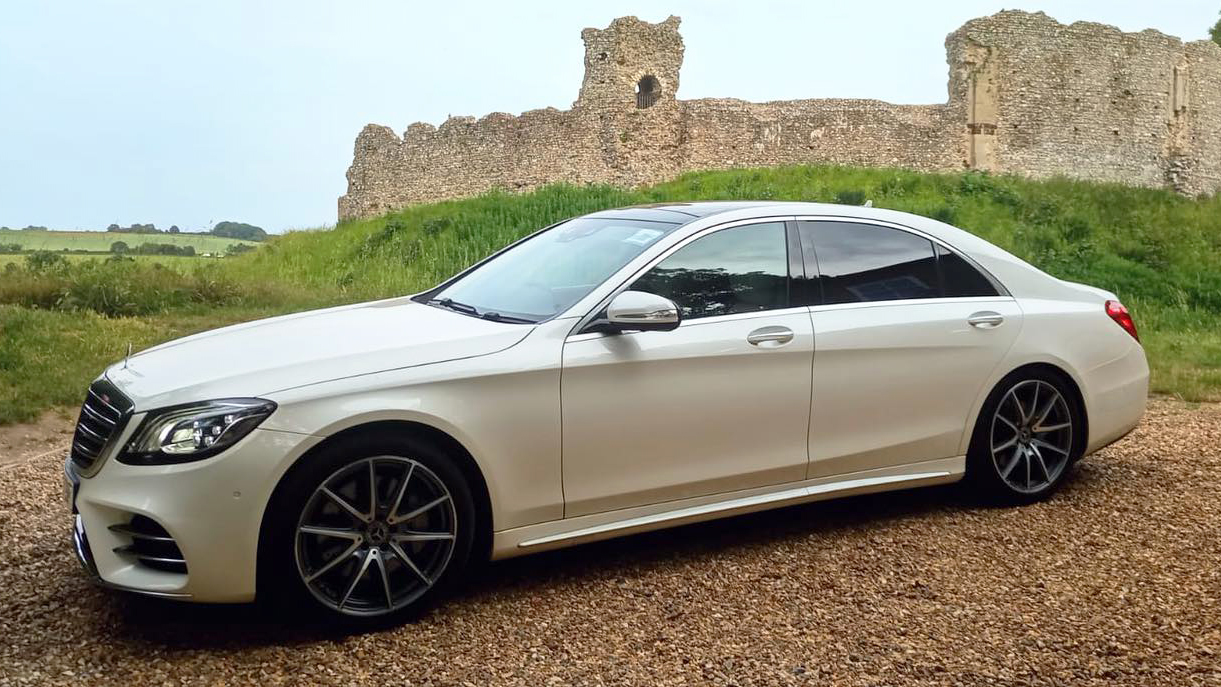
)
(497, 317)
(466, 309)
(455, 306)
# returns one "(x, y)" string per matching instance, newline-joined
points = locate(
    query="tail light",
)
(1116, 311)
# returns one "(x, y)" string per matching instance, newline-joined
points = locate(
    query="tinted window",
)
(865, 262)
(744, 269)
(960, 278)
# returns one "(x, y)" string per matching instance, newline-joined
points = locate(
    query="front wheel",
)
(1029, 433)
(371, 530)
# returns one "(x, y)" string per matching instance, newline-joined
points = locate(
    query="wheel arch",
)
(465, 461)
(1071, 383)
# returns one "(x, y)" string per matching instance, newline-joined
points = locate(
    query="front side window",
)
(865, 262)
(743, 269)
(548, 273)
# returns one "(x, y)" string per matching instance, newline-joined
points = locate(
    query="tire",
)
(327, 549)
(1029, 434)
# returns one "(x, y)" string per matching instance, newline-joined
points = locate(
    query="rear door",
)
(907, 332)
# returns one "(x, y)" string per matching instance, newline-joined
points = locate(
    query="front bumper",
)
(212, 508)
(80, 545)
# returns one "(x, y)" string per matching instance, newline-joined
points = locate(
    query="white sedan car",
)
(624, 371)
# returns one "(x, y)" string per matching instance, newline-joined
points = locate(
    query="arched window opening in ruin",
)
(647, 90)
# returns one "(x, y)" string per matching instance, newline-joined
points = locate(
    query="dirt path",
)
(50, 431)
(1116, 580)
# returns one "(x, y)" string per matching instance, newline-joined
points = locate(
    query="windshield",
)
(545, 275)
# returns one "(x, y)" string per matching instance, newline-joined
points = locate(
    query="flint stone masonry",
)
(1027, 95)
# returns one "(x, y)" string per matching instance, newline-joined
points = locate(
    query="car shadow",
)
(172, 625)
(176, 625)
(716, 538)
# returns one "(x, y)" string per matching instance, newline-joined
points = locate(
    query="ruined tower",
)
(631, 76)
(631, 64)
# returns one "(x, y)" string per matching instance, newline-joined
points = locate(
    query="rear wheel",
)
(372, 529)
(1029, 433)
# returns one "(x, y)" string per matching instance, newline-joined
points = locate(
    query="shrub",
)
(45, 261)
(850, 197)
(436, 225)
(164, 249)
(118, 286)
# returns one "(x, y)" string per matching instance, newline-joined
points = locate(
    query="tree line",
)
(149, 248)
(231, 230)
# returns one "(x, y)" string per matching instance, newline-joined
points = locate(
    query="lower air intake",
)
(151, 546)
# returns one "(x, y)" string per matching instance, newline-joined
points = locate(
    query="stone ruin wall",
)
(1027, 95)
(1089, 101)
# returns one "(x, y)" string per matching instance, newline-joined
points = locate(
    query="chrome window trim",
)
(1000, 286)
(714, 319)
(911, 301)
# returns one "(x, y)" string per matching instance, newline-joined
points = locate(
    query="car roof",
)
(684, 212)
(699, 215)
(689, 212)
(677, 213)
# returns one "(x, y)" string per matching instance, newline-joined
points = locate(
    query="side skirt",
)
(587, 528)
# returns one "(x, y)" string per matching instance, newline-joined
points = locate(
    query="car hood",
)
(265, 356)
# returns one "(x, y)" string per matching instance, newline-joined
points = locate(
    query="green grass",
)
(99, 241)
(1159, 251)
(47, 357)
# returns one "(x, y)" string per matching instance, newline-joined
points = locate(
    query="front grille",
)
(102, 418)
(150, 545)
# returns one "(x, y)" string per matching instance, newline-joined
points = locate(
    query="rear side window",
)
(960, 278)
(743, 269)
(865, 262)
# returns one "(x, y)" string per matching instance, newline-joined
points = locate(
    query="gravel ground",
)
(1116, 580)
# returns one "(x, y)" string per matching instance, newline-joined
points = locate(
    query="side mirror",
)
(641, 311)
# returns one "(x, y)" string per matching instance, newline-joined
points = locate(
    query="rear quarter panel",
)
(1076, 335)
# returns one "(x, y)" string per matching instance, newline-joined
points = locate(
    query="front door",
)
(720, 404)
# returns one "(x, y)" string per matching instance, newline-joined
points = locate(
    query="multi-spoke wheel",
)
(375, 535)
(1027, 436)
(372, 526)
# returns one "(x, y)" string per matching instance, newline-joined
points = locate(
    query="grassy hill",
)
(1159, 251)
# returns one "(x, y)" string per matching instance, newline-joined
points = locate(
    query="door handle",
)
(770, 335)
(985, 319)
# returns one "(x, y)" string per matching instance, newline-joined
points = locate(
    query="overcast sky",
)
(193, 112)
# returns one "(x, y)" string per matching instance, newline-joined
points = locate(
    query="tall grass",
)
(1142, 243)
(47, 357)
(122, 287)
(415, 248)
(1159, 251)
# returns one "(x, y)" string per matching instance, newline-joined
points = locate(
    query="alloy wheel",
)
(376, 535)
(1031, 437)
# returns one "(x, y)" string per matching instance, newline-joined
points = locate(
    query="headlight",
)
(185, 433)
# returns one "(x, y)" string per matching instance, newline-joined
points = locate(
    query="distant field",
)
(100, 240)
